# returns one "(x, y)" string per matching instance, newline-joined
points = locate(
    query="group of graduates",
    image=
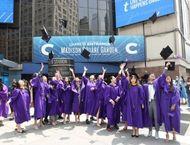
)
(125, 99)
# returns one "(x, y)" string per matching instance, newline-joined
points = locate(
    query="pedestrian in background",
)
(188, 91)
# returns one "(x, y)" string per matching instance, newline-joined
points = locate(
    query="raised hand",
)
(103, 69)
(85, 69)
(122, 66)
(71, 69)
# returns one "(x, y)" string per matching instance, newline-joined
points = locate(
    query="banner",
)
(129, 48)
(134, 11)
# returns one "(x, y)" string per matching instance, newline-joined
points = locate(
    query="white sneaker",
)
(150, 133)
(156, 135)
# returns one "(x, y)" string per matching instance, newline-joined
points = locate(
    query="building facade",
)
(16, 44)
(172, 30)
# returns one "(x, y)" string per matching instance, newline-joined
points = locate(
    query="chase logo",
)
(45, 47)
(130, 48)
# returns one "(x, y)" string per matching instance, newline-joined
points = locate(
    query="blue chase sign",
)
(129, 48)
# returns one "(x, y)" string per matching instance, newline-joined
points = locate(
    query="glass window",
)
(102, 5)
(102, 19)
(82, 3)
(93, 21)
(83, 19)
(93, 4)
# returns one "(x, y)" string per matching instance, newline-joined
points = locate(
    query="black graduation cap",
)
(112, 39)
(85, 53)
(45, 36)
(63, 23)
(171, 67)
(50, 55)
(133, 72)
(145, 76)
(154, 17)
(166, 52)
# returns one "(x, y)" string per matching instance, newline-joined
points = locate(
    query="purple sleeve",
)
(85, 80)
(14, 95)
(107, 94)
(99, 84)
(176, 98)
(124, 83)
(4, 93)
(162, 79)
(34, 82)
(142, 95)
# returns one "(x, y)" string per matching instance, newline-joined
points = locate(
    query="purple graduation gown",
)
(100, 103)
(125, 102)
(3, 99)
(77, 98)
(65, 98)
(39, 97)
(171, 119)
(90, 96)
(147, 121)
(132, 109)
(20, 102)
(112, 112)
(54, 99)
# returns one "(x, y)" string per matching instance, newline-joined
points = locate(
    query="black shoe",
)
(109, 128)
(87, 121)
(136, 136)
(116, 127)
(60, 117)
(92, 119)
(11, 118)
(133, 135)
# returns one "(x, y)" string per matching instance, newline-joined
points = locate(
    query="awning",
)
(31, 68)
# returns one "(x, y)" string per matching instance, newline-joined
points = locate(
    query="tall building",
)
(16, 43)
(170, 29)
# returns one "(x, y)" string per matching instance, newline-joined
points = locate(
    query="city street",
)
(72, 134)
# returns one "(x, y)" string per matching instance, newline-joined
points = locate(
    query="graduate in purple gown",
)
(39, 85)
(90, 100)
(112, 101)
(54, 100)
(99, 108)
(78, 92)
(152, 110)
(170, 105)
(134, 101)
(125, 109)
(65, 99)
(20, 102)
(3, 102)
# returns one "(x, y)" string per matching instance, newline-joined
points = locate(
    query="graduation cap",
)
(112, 39)
(45, 36)
(51, 55)
(63, 23)
(145, 76)
(133, 72)
(166, 52)
(171, 67)
(85, 53)
(154, 17)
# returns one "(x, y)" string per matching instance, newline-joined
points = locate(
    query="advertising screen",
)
(134, 11)
(6, 11)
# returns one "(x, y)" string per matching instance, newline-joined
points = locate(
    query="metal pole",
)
(19, 47)
(145, 50)
(7, 42)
